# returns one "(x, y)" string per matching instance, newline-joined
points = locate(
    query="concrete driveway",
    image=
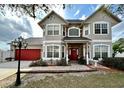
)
(12, 65)
(9, 68)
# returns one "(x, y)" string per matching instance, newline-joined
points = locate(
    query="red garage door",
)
(28, 54)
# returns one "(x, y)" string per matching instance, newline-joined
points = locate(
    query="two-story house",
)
(72, 39)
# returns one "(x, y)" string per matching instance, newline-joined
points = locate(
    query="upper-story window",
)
(101, 28)
(86, 30)
(74, 32)
(53, 29)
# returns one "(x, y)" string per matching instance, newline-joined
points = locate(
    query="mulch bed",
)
(103, 68)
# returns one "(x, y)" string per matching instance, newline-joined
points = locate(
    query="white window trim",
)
(100, 50)
(74, 28)
(46, 58)
(63, 29)
(101, 22)
(101, 40)
(64, 51)
(52, 29)
(86, 28)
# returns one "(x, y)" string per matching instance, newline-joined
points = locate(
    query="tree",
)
(118, 47)
(117, 9)
(32, 10)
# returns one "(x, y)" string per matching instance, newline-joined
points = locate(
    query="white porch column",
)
(60, 52)
(87, 58)
(66, 53)
(90, 51)
(84, 51)
(42, 53)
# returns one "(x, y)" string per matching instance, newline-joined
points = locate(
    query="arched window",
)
(74, 32)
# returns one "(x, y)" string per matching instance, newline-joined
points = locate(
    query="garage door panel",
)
(28, 54)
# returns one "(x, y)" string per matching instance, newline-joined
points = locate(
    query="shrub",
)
(61, 62)
(95, 58)
(117, 63)
(38, 63)
(82, 61)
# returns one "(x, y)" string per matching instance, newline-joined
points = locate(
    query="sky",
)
(12, 27)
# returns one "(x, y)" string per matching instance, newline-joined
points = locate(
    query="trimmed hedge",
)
(62, 62)
(38, 63)
(117, 63)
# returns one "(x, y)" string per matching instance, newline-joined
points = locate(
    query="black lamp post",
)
(19, 43)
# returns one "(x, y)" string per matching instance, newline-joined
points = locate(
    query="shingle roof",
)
(34, 41)
(76, 38)
(74, 20)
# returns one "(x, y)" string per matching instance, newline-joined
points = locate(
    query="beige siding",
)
(53, 19)
(101, 16)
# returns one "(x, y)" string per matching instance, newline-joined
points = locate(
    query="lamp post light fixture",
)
(19, 43)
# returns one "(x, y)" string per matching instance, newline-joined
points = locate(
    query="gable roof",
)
(107, 11)
(52, 12)
(67, 21)
(74, 20)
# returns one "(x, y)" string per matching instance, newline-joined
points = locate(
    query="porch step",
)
(57, 71)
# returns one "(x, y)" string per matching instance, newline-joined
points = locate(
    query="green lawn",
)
(108, 80)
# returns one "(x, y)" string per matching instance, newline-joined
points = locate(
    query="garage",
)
(28, 54)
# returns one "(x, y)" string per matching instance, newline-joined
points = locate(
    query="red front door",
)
(73, 54)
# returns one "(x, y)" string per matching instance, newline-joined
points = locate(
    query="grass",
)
(108, 80)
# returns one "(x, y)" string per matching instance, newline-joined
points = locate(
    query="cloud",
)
(13, 28)
(58, 9)
(77, 12)
(83, 17)
(97, 6)
(92, 8)
(118, 31)
(10, 29)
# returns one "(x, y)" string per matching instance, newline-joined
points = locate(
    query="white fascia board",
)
(101, 40)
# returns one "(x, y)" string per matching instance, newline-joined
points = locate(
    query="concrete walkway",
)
(7, 71)
(59, 69)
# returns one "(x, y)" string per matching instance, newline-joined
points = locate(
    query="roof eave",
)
(40, 22)
(107, 11)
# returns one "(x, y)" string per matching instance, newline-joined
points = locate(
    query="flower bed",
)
(40, 62)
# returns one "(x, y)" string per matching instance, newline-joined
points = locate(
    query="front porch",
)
(77, 47)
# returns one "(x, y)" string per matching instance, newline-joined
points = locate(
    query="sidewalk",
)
(4, 73)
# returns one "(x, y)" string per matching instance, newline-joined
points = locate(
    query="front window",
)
(101, 51)
(86, 32)
(101, 28)
(52, 51)
(53, 29)
(74, 32)
(49, 51)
